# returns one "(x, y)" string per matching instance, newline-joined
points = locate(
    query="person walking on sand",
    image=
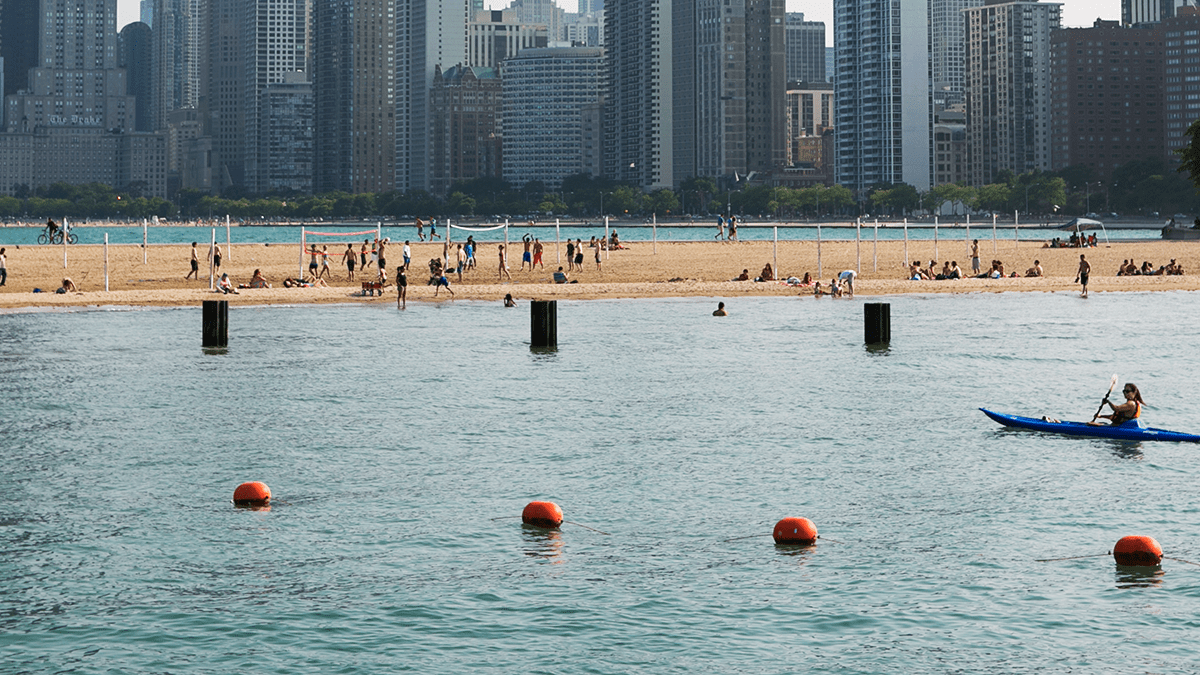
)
(1085, 269)
(325, 263)
(195, 264)
(503, 265)
(720, 228)
(348, 258)
(733, 228)
(401, 288)
(420, 230)
(442, 281)
(216, 257)
(312, 261)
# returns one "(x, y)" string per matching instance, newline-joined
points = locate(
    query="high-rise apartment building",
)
(354, 83)
(465, 138)
(805, 43)
(729, 88)
(19, 44)
(947, 50)
(286, 143)
(544, 95)
(429, 33)
(1008, 87)
(180, 47)
(639, 115)
(882, 84)
(496, 35)
(1101, 117)
(75, 122)
(1151, 11)
(541, 12)
(809, 119)
(1181, 78)
(252, 44)
(135, 44)
(584, 30)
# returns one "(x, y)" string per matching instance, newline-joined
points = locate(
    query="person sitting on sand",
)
(767, 274)
(955, 271)
(744, 276)
(1036, 270)
(560, 277)
(817, 290)
(720, 311)
(68, 286)
(614, 243)
(835, 288)
(225, 285)
(807, 280)
(258, 281)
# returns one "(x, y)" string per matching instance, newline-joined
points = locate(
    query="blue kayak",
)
(1133, 430)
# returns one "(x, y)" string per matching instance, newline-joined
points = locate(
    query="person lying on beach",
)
(1036, 270)
(68, 286)
(744, 276)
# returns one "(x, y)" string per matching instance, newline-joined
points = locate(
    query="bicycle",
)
(46, 237)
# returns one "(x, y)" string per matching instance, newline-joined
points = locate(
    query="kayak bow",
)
(1133, 430)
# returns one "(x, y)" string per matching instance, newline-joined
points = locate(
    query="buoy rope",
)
(1181, 560)
(835, 541)
(587, 528)
(504, 517)
(1076, 557)
(752, 536)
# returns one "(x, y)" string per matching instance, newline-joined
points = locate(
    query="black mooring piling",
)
(216, 323)
(543, 324)
(877, 322)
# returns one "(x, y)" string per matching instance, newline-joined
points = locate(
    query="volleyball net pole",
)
(228, 241)
(212, 262)
(557, 242)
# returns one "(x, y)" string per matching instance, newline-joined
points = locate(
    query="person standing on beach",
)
(3, 268)
(420, 230)
(578, 254)
(503, 265)
(975, 258)
(382, 255)
(407, 254)
(363, 254)
(537, 255)
(570, 256)
(597, 247)
(846, 278)
(462, 261)
(1085, 269)
(348, 259)
(401, 288)
(325, 263)
(733, 228)
(526, 257)
(312, 261)
(195, 264)
(216, 257)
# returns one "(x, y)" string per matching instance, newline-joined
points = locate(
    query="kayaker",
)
(1131, 409)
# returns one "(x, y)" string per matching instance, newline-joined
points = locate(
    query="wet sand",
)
(699, 269)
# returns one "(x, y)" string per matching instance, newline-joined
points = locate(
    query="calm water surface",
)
(400, 446)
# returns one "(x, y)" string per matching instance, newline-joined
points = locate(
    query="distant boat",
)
(1180, 233)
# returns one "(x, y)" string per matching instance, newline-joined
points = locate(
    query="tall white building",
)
(883, 115)
(545, 93)
(1008, 87)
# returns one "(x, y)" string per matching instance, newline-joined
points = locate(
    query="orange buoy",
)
(795, 531)
(542, 514)
(1138, 551)
(252, 494)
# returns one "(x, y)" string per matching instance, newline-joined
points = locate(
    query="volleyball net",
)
(305, 234)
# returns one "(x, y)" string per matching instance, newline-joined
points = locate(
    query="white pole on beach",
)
(1016, 237)
(935, 239)
(605, 244)
(212, 246)
(858, 245)
(303, 245)
(144, 240)
(557, 242)
(655, 233)
(906, 260)
(994, 249)
(379, 230)
(65, 229)
(876, 248)
(105, 262)
(820, 273)
(506, 251)
(967, 240)
(775, 252)
(228, 241)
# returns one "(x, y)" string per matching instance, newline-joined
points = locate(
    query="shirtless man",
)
(195, 263)
(1085, 269)
(720, 311)
(537, 254)
(1036, 270)
(527, 257)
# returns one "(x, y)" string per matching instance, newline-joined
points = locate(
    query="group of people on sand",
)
(1129, 268)
(1077, 240)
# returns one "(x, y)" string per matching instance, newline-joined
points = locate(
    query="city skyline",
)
(1075, 13)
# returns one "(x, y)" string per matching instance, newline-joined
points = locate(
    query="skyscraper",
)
(19, 33)
(1150, 11)
(947, 35)
(429, 33)
(544, 94)
(805, 49)
(639, 116)
(1008, 87)
(135, 44)
(541, 12)
(354, 46)
(496, 35)
(882, 85)
(465, 139)
(180, 46)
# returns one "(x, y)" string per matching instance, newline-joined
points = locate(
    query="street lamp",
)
(1027, 199)
(602, 202)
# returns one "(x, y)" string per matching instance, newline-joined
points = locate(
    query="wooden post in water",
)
(543, 324)
(216, 324)
(878, 323)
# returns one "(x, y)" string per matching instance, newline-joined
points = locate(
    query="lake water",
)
(402, 446)
(251, 234)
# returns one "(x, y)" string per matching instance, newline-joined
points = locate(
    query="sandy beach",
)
(696, 269)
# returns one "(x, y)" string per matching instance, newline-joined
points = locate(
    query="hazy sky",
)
(1076, 13)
